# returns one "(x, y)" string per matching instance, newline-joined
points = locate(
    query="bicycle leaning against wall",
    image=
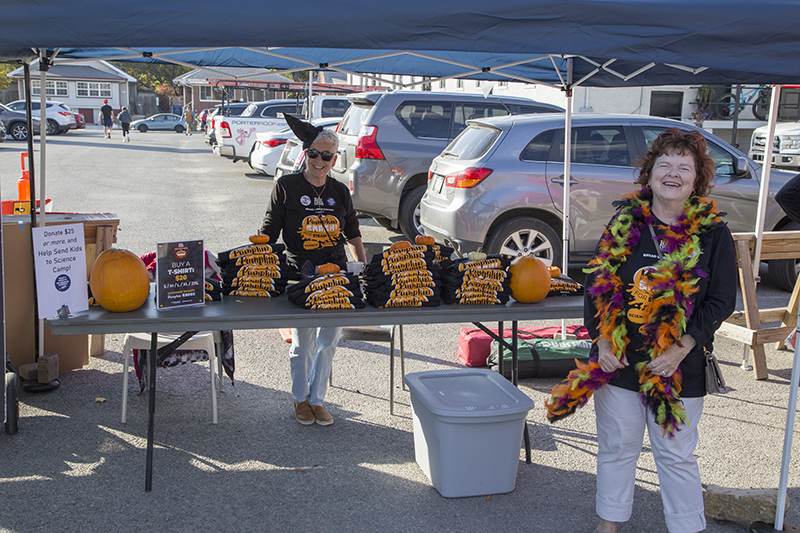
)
(758, 97)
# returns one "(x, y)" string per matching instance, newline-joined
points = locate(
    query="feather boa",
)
(674, 283)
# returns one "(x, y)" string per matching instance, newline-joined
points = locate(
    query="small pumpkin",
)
(427, 240)
(259, 239)
(399, 245)
(555, 272)
(530, 280)
(119, 280)
(328, 268)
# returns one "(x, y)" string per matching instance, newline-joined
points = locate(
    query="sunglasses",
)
(313, 153)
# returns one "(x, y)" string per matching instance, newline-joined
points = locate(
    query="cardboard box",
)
(19, 294)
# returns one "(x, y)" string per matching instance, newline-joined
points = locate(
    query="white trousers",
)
(310, 361)
(621, 419)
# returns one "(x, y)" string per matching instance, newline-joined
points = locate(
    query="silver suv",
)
(388, 140)
(499, 185)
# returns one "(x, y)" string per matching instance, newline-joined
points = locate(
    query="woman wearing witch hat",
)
(316, 216)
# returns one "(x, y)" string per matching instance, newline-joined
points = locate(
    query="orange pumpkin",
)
(259, 239)
(328, 268)
(555, 272)
(425, 239)
(530, 280)
(119, 280)
(399, 245)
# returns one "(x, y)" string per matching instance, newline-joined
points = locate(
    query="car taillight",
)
(467, 179)
(430, 175)
(366, 146)
(64, 113)
(224, 130)
(272, 143)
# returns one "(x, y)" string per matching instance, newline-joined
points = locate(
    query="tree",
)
(164, 93)
(6, 68)
(152, 75)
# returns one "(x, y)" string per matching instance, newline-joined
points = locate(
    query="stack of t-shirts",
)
(441, 253)
(254, 270)
(484, 281)
(340, 290)
(213, 289)
(405, 277)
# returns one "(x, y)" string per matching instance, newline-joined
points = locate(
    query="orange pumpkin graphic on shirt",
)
(641, 291)
(319, 231)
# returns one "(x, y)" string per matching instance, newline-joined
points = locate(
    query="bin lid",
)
(471, 392)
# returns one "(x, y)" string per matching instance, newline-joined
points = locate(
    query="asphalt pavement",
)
(74, 467)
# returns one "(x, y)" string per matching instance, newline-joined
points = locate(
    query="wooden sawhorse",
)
(746, 325)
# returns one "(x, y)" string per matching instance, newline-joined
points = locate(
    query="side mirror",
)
(740, 167)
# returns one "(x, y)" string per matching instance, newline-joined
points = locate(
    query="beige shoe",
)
(323, 417)
(303, 413)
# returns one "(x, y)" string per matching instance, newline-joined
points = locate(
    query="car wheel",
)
(179, 128)
(409, 212)
(12, 403)
(52, 127)
(142, 128)
(783, 272)
(19, 131)
(525, 236)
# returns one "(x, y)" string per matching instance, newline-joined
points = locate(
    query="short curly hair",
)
(682, 142)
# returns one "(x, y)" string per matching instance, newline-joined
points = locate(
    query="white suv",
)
(60, 117)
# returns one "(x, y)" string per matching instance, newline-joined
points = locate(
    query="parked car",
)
(388, 140)
(498, 186)
(275, 154)
(160, 122)
(785, 145)
(60, 118)
(2, 132)
(80, 121)
(232, 109)
(16, 124)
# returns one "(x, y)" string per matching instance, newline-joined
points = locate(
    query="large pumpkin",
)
(530, 280)
(119, 280)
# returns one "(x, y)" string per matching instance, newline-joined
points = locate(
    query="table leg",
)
(391, 375)
(152, 355)
(514, 379)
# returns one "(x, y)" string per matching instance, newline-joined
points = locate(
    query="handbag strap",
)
(657, 243)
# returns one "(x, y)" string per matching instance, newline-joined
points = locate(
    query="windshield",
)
(4, 108)
(472, 143)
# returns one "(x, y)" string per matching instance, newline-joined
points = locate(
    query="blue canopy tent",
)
(603, 43)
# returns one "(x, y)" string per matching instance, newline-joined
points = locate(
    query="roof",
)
(74, 72)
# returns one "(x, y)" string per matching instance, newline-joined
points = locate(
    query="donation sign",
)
(180, 274)
(60, 262)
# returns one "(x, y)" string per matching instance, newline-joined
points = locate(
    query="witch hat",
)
(305, 131)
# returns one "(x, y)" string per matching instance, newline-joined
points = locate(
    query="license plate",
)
(438, 182)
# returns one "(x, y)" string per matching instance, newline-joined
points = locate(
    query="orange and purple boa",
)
(674, 283)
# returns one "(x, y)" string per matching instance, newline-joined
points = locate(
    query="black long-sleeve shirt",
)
(713, 303)
(315, 221)
(788, 197)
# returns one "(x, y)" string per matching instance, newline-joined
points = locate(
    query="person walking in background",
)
(661, 282)
(188, 117)
(125, 120)
(106, 118)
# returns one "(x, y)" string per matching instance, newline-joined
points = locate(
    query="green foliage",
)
(152, 75)
(6, 68)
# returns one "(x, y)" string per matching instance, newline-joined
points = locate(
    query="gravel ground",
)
(74, 467)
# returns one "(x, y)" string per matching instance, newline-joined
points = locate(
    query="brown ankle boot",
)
(323, 417)
(303, 413)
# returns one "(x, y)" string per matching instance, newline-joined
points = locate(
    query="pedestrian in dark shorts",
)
(125, 119)
(106, 118)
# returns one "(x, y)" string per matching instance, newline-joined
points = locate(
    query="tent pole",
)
(765, 170)
(43, 66)
(32, 181)
(567, 178)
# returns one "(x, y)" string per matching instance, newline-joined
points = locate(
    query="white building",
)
(82, 86)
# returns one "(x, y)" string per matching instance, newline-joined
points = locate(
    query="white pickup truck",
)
(236, 136)
(785, 145)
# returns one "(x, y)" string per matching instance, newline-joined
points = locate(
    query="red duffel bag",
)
(474, 344)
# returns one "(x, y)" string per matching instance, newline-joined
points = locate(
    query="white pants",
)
(621, 419)
(310, 360)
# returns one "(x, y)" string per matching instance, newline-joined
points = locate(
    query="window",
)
(599, 145)
(334, 108)
(54, 88)
(207, 93)
(426, 119)
(539, 148)
(442, 84)
(666, 104)
(473, 143)
(459, 84)
(503, 84)
(465, 112)
(723, 160)
(273, 111)
(93, 89)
